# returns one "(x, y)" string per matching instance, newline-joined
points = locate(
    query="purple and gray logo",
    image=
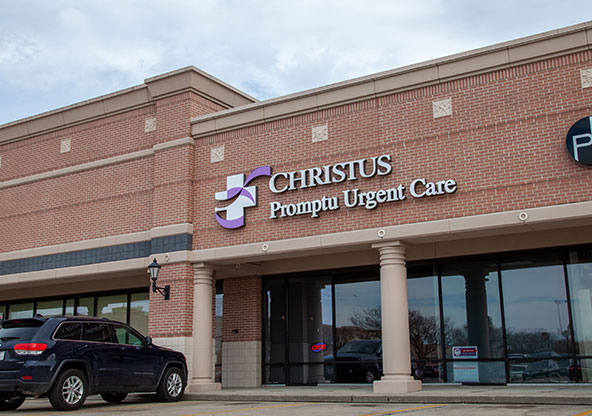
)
(246, 196)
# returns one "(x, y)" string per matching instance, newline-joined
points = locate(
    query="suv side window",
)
(69, 331)
(125, 335)
(96, 332)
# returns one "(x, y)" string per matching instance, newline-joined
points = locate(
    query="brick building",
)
(432, 223)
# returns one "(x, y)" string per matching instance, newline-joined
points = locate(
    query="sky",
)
(60, 52)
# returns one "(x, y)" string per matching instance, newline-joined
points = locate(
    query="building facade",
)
(427, 224)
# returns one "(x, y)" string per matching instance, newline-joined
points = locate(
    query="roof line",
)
(486, 59)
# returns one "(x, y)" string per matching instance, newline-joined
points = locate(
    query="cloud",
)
(57, 53)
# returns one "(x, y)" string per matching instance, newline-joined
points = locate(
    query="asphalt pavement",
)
(146, 405)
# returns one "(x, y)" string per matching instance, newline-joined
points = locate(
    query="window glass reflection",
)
(112, 307)
(544, 370)
(579, 272)
(139, 309)
(50, 307)
(21, 310)
(537, 321)
(86, 306)
(358, 328)
(219, 306)
(472, 313)
(424, 323)
(69, 307)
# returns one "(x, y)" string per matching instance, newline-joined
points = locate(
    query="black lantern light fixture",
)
(153, 269)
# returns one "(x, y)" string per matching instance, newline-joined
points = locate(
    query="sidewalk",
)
(533, 394)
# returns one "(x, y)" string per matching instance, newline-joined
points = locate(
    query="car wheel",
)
(171, 386)
(11, 401)
(69, 391)
(369, 375)
(113, 397)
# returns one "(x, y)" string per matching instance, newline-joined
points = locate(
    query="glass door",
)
(298, 330)
(310, 329)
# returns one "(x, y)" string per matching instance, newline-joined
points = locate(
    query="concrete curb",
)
(371, 398)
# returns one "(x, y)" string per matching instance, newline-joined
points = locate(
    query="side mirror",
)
(148, 341)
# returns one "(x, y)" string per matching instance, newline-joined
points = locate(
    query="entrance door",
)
(299, 330)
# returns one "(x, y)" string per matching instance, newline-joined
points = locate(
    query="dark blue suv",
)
(69, 358)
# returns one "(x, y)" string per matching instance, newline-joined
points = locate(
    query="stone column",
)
(396, 352)
(202, 329)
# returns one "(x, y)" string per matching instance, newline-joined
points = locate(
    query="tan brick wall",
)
(504, 145)
(242, 309)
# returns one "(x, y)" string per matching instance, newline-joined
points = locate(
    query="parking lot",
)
(147, 405)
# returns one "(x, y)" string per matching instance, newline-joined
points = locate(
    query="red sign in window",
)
(319, 347)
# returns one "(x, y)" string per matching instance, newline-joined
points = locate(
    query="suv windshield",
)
(19, 329)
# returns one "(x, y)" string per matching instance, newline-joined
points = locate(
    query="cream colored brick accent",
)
(320, 133)
(65, 146)
(0, 161)
(150, 125)
(181, 344)
(241, 364)
(442, 108)
(217, 154)
(586, 75)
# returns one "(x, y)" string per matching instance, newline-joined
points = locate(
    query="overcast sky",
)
(59, 52)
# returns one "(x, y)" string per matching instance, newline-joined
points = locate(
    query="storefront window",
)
(424, 323)
(579, 272)
(21, 310)
(50, 307)
(3, 312)
(113, 307)
(457, 312)
(472, 318)
(219, 307)
(358, 339)
(86, 307)
(471, 305)
(537, 320)
(70, 303)
(139, 309)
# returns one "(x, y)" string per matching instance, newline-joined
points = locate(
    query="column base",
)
(198, 386)
(396, 385)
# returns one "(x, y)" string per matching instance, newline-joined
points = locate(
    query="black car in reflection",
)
(358, 361)
(541, 369)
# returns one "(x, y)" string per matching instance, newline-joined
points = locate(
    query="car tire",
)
(69, 390)
(369, 375)
(11, 401)
(172, 385)
(113, 397)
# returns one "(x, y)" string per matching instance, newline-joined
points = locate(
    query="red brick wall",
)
(112, 200)
(123, 198)
(95, 140)
(173, 185)
(242, 309)
(174, 317)
(504, 145)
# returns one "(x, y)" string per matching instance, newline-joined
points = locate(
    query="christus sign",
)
(244, 196)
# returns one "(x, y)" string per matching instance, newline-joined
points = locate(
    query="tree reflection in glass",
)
(537, 321)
